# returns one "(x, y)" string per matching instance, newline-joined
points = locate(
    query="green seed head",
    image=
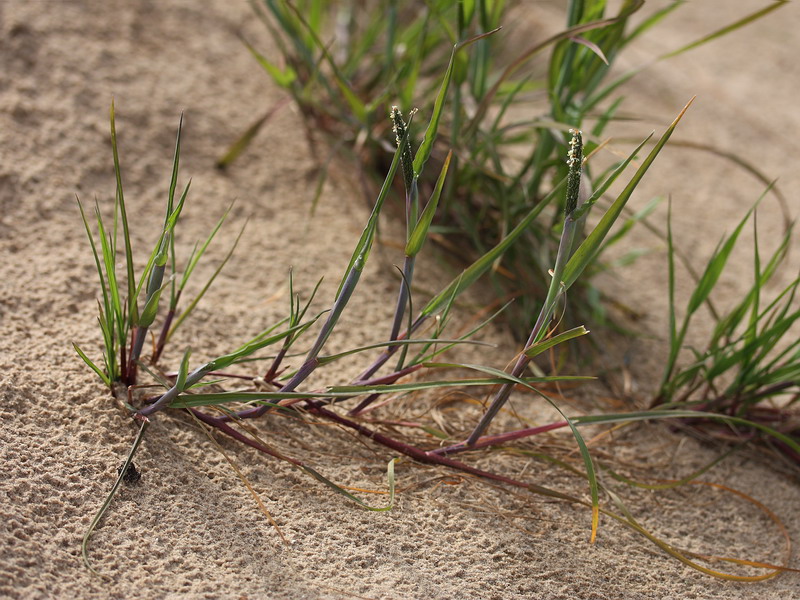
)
(575, 162)
(406, 160)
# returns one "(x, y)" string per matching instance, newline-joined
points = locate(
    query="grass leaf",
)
(591, 245)
(420, 232)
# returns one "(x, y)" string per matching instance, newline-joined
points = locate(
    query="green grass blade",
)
(196, 256)
(151, 306)
(93, 246)
(116, 315)
(173, 182)
(193, 400)
(241, 144)
(480, 266)
(483, 107)
(684, 414)
(183, 371)
(396, 388)
(651, 21)
(154, 267)
(106, 309)
(545, 345)
(133, 312)
(186, 400)
(426, 147)
(260, 341)
(776, 4)
(714, 268)
(193, 304)
(420, 232)
(283, 77)
(93, 366)
(323, 360)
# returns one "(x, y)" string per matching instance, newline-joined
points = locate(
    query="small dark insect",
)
(131, 474)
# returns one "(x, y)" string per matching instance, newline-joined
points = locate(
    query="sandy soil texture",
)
(189, 528)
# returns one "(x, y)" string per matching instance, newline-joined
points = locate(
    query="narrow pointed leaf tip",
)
(544, 345)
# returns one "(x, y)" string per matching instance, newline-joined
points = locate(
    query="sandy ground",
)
(189, 528)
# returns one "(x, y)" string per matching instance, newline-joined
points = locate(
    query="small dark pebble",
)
(131, 475)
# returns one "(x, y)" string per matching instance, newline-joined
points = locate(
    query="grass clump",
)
(503, 138)
(343, 64)
(546, 203)
(212, 397)
(129, 303)
(749, 367)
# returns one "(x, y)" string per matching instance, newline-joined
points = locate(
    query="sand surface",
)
(189, 528)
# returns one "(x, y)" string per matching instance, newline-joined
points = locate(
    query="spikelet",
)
(406, 160)
(575, 162)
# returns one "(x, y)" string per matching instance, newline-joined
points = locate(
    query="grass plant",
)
(750, 365)
(503, 137)
(538, 208)
(220, 403)
(343, 64)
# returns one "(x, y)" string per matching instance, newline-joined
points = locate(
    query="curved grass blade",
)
(584, 450)
(339, 490)
(776, 4)
(483, 107)
(122, 472)
(352, 390)
(548, 343)
(193, 304)
(629, 520)
(185, 400)
(391, 343)
(241, 144)
(283, 77)
(240, 475)
(666, 413)
(651, 21)
(746, 166)
(91, 365)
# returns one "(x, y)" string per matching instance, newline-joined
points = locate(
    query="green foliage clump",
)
(345, 63)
